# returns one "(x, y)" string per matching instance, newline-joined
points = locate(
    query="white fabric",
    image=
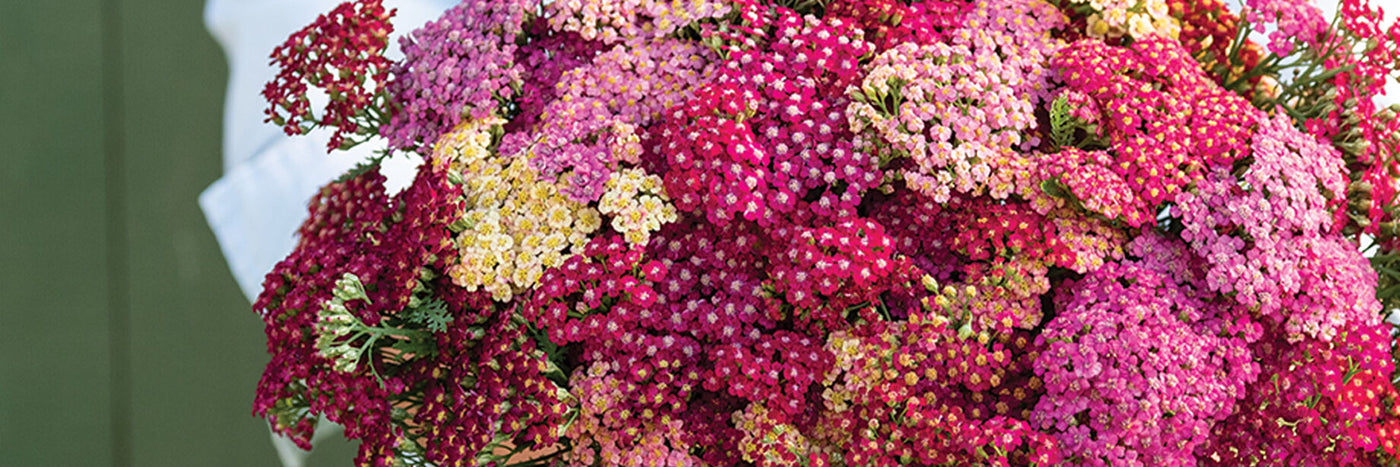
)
(255, 209)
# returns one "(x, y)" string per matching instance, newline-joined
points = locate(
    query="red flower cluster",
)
(767, 139)
(1162, 117)
(341, 54)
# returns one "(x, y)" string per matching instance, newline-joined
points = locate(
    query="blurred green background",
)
(125, 340)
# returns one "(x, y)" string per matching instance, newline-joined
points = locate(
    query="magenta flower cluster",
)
(857, 232)
(594, 123)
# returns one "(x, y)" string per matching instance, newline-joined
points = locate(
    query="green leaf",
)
(1061, 123)
(1055, 189)
(431, 314)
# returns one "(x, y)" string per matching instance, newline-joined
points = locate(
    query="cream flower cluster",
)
(517, 224)
(1133, 18)
(637, 203)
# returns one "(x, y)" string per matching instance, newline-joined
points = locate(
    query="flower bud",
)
(1359, 187)
(942, 301)
(965, 331)
(929, 283)
(348, 288)
(1351, 120)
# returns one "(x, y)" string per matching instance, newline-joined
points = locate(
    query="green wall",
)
(125, 341)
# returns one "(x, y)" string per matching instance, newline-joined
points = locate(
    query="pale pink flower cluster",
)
(613, 21)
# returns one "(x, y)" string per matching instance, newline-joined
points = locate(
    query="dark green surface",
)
(53, 295)
(125, 340)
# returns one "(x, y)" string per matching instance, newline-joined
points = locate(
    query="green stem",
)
(1264, 67)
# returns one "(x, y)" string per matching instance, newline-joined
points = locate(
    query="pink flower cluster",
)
(612, 21)
(1131, 375)
(593, 124)
(461, 65)
(1293, 23)
(1258, 229)
(547, 58)
(960, 109)
(857, 232)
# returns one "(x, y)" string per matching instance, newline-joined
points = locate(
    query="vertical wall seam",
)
(118, 269)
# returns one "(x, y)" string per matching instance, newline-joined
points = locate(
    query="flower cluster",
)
(611, 431)
(1294, 23)
(1336, 392)
(1257, 230)
(1208, 30)
(1138, 19)
(547, 58)
(603, 300)
(1009, 258)
(460, 66)
(769, 441)
(1162, 119)
(767, 139)
(1130, 378)
(517, 224)
(960, 109)
(594, 125)
(637, 203)
(829, 270)
(918, 112)
(920, 392)
(851, 232)
(888, 23)
(612, 21)
(341, 54)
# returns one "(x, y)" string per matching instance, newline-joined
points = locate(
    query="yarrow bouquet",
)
(846, 232)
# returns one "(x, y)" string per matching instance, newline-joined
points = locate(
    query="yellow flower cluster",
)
(516, 223)
(1134, 18)
(637, 203)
